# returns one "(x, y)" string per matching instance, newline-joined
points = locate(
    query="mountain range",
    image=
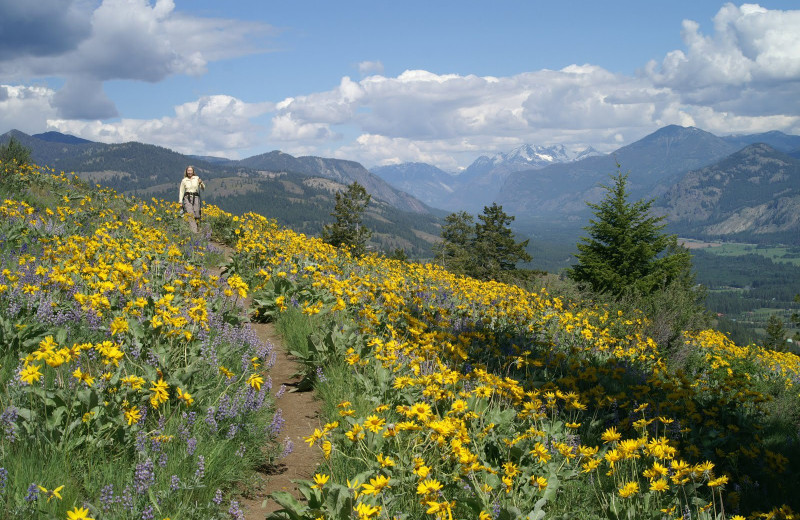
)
(755, 191)
(297, 191)
(742, 187)
(739, 186)
(135, 166)
(468, 190)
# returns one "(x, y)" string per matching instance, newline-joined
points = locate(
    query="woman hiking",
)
(189, 197)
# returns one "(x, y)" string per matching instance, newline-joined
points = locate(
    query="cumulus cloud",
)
(742, 78)
(119, 40)
(370, 67)
(83, 98)
(752, 60)
(420, 106)
(41, 28)
(26, 108)
(132, 39)
(212, 125)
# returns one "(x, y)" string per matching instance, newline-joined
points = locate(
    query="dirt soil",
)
(301, 415)
(300, 411)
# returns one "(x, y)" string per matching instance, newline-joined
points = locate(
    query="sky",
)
(382, 82)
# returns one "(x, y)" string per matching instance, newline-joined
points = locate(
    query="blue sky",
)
(386, 82)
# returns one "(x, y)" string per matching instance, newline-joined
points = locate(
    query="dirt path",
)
(300, 412)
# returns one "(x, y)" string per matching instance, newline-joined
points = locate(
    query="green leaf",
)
(292, 508)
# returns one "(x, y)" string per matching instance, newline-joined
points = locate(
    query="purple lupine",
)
(8, 422)
(3, 479)
(235, 511)
(210, 420)
(107, 497)
(144, 477)
(276, 425)
(148, 513)
(240, 452)
(288, 447)
(217, 497)
(174, 483)
(141, 439)
(201, 468)
(33, 493)
(232, 431)
(191, 445)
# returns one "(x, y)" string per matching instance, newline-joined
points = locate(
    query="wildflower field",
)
(131, 385)
(446, 398)
(134, 389)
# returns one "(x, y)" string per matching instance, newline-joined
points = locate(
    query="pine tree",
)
(13, 156)
(776, 333)
(627, 250)
(14, 153)
(458, 235)
(348, 230)
(495, 253)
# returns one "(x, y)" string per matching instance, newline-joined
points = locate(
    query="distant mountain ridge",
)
(301, 198)
(58, 137)
(743, 187)
(473, 188)
(135, 166)
(426, 182)
(340, 170)
(755, 191)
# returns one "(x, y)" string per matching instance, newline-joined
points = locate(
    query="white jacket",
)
(191, 184)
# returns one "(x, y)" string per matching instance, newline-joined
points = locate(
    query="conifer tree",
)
(776, 333)
(627, 250)
(485, 250)
(13, 156)
(458, 234)
(348, 229)
(14, 153)
(495, 253)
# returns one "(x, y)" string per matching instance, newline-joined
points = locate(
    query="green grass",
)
(778, 254)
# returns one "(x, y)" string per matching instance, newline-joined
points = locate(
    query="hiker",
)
(189, 197)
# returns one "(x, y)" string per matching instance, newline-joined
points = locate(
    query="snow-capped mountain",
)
(474, 187)
(525, 157)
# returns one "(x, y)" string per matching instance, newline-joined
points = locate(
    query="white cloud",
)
(121, 40)
(743, 77)
(370, 67)
(752, 61)
(26, 108)
(212, 125)
(41, 28)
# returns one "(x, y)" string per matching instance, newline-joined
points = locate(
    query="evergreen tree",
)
(776, 333)
(13, 156)
(627, 251)
(348, 230)
(495, 253)
(485, 250)
(458, 235)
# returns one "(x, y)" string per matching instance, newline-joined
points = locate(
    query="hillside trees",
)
(628, 258)
(14, 153)
(776, 333)
(13, 156)
(458, 233)
(486, 250)
(348, 229)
